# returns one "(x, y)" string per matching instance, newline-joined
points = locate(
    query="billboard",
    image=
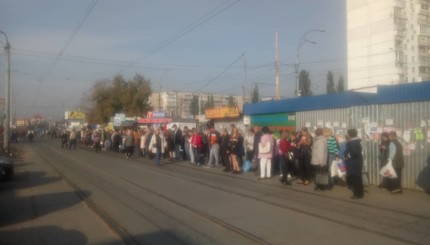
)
(79, 115)
(222, 112)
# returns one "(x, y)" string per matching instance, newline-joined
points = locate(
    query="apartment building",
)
(177, 104)
(388, 42)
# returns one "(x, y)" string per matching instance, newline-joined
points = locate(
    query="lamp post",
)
(302, 41)
(7, 97)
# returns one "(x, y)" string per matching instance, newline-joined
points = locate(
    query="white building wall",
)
(383, 42)
(177, 104)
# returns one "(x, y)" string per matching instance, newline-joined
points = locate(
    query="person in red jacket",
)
(284, 149)
(196, 142)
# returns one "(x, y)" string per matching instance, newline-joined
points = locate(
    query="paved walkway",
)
(39, 207)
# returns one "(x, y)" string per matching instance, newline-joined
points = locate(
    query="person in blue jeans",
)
(157, 145)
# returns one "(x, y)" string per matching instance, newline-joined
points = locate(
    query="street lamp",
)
(7, 97)
(302, 41)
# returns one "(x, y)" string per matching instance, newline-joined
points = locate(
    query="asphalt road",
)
(83, 197)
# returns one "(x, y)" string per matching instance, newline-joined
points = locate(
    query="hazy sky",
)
(60, 48)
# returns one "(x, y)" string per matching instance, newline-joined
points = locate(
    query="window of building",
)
(425, 29)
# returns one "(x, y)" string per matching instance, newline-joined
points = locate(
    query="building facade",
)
(177, 104)
(388, 42)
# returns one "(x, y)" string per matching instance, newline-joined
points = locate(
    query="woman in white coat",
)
(319, 155)
(157, 145)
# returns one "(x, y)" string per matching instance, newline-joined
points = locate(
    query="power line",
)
(205, 18)
(74, 32)
(220, 74)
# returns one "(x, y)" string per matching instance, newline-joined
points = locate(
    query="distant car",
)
(6, 167)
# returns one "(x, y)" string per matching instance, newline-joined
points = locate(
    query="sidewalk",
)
(39, 207)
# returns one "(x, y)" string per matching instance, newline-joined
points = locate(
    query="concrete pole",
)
(302, 41)
(277, 66)
(7, 97)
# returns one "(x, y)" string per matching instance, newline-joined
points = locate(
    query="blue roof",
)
(307, 103)
(406, 92)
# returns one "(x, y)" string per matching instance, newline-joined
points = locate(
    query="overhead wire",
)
(202, 20)
(72, 36)
(220, 74)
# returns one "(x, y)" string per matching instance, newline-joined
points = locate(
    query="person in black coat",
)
(398, 161)
(257, 138)
(354, 164)
(177, 140)
(224, 147)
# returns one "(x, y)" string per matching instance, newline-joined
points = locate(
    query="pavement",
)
(38, 206)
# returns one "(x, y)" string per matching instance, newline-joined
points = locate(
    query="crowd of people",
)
(297, 157)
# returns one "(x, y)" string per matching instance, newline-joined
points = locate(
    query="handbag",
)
(264, 149)
(322, 178)
(365, 179)
(388, 170)
(290, 156)
(247, 165)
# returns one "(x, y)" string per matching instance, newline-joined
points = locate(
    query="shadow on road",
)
(161, 237)
(14, 210)
(27, 179)
(43, 235)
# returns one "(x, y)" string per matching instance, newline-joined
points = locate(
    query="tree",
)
(231, 101)
(210, 103)
(340, 84)
(330, 83)
(305, 83)
(111, 97)
(255, 95)
(194, 106)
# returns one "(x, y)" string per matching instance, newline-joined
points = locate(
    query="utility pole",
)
(302, 41)
(245, 79)
(159, 99)
(7, 97)
(277, 66)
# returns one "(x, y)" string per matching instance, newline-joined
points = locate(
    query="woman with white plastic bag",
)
(388, 171)
(395, 154)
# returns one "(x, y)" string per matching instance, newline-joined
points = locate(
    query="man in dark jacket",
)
(354, 164)
(395, 154)
(257, 137)
(224, 147)
(177, 140)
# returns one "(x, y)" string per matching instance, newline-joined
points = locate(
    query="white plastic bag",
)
(337, 169)
(388, 171)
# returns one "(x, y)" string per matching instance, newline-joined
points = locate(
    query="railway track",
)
(301, 203)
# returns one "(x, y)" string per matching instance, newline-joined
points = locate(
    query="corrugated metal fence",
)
(411, 121)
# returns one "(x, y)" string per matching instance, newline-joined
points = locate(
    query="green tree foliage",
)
(202, 107)
(119, 96)
(210, 103)
(194, 106)
(305, 83)
(341, 84)
(255, 95)
(330, 83)
(231, 101)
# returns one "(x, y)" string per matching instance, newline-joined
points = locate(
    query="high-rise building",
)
(388, 42)
(177, 104)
